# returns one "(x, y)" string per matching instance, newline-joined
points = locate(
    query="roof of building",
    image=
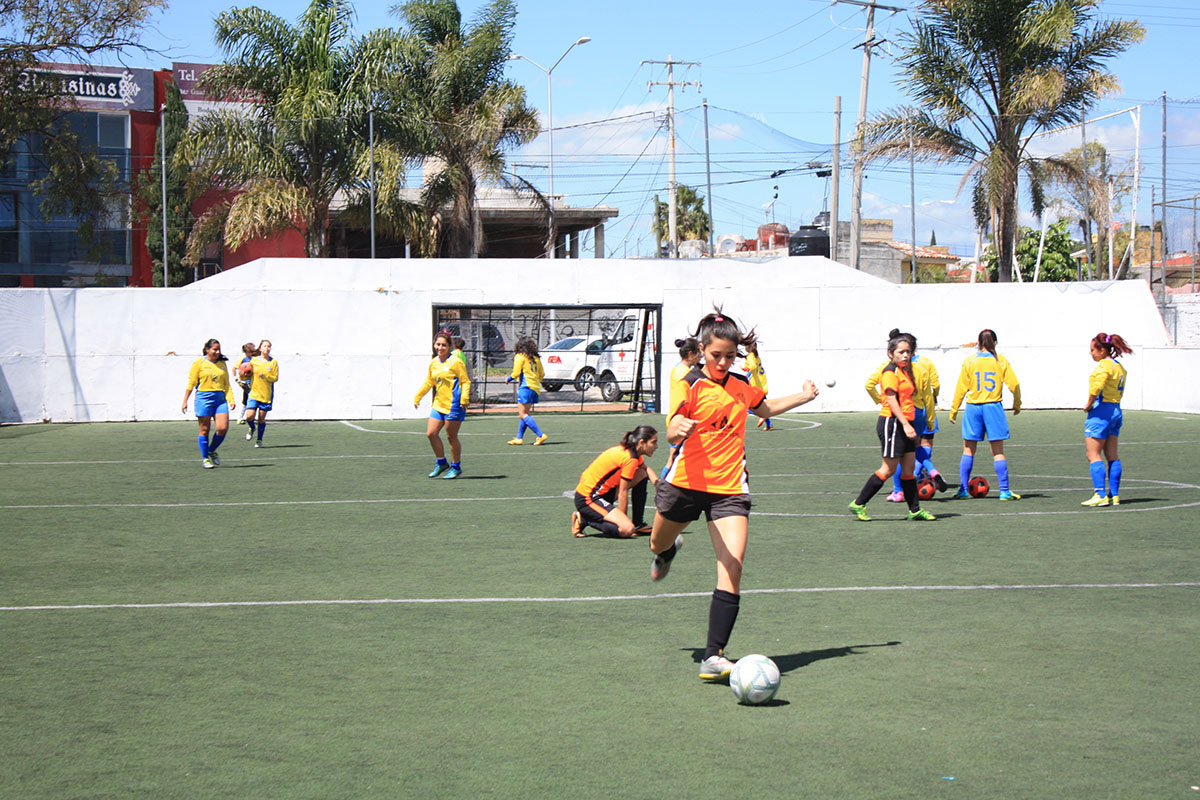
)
(925, 253)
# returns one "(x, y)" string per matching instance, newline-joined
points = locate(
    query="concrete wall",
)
(359, 350)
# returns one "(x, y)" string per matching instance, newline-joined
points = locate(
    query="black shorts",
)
(685, 505)
(595, 509)
(892, 439)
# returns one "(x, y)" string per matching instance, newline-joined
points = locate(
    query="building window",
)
(9, 251)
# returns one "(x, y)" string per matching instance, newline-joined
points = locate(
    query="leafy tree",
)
(311, 86)
(148, 196)
(691, 220)
(1084, 190)
(933, 238)
(460, 114)
(1057, 263)
(986, 75)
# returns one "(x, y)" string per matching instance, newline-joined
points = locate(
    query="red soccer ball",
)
(926, 489)
(978, 487)
(246, 371)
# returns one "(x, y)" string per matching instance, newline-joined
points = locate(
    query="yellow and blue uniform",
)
(1107, 386)
(758, 377)
(529, 372)
(262, 384)
(981, 383)
(451, 389)
(214, 392)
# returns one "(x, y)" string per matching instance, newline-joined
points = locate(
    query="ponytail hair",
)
(987, 340)
(641, 433)
(1112, 343)
(687, 347)
(210, 343)
(719, 325)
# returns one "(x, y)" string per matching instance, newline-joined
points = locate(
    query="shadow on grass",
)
(227, 465)
(795, 661)
(282, 446)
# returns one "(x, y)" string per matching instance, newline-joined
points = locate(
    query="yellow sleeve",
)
(464, 382)
(872, 384)
(194, 375)
(272, 372)
(228, 385)
(935, 383)
(1014, 386)
(964, 385)
(1098, 379)
(518, 366)
(425, 387)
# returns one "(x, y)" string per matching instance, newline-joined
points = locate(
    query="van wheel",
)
(585, 379)
(551, 387)
(609, 389)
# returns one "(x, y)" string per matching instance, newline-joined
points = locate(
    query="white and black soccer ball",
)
(754, 679)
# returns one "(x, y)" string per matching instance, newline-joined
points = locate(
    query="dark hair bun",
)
(894, 333)
(680, 342)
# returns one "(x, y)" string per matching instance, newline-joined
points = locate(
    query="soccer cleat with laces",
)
(896, 497)
(715, 668)
(249, 435)
(860, 512)
(940, 482)
(1007, 495)
(643, 530)
(961, 494)
(207, 463)
(515, 441)
(258, 444)
(1115, 500)
(921, 515)
(212, 456)
(577, 525)
(438, 469)
(661, 566)
(541, 439)
(1096, 501)
(452, 473)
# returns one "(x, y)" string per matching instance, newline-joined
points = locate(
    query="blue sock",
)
(533, 426)
(925, 461)
(456, 465)
(250, 422)
(896, 487)
(203, 442)
(1001, 466)
(1114, 477)
(216, 442)
(1098, 474)
(964, 470)
(262, 426)
(521, 428)
(441, 462)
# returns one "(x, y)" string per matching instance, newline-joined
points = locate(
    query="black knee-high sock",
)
(909, 487)
(869, 490)
(722, 613)
(605, 527)
(639, 504)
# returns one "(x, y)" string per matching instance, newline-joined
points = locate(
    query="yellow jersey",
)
(983, 379)
(450, 384)
(678, 387)
(1107, 382)
(205, 376)
(755, 372)
(528, 371)
(926, 385)
(262, 385)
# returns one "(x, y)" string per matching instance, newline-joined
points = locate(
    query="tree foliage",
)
(985, 76)
(1083, 190)
(148, 196)
(1057, 262)
(691, 220)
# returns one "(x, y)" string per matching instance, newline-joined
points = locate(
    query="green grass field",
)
(317, 619)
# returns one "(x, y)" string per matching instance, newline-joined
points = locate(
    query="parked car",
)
(571, 360)
(481, 337)
(607, 361)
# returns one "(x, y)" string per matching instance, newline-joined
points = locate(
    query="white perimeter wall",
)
(359, 351)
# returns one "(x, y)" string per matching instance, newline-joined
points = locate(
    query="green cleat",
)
(921, 515)
(860, 512)
(438, 469)
(1115, 500)
(1007, 495)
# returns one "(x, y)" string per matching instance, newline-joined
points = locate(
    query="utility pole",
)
(1162, 295)
(670, 83)
(837, 178)
(856, 187)
(712, 247)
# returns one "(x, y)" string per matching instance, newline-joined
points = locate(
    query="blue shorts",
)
(455, 414)
(209, 404)
(930, 424)
(527, 396)
(984, 421)
(918, 421)
(252, 404)
(1103, 421)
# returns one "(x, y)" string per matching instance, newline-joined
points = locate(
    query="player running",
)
(209, 376)
(451, 386)
(982, 380)
(528, 370)
(707, 474)
(1103, 428)
(605, 487)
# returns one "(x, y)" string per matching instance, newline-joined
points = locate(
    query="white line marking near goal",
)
(599, 598)
(381, 501)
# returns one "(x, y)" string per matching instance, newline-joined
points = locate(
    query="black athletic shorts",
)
(892, 439)
(686, 505)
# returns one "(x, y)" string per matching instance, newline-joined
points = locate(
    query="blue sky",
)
(770, 71)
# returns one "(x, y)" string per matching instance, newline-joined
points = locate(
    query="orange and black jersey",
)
(713, 457)
(605, 473)
(901, 383)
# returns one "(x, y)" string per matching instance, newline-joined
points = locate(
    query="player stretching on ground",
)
(1103, 427)
(982, 380)
(451, 386)
(617, 474)
(896, 429)
(708, 476)
(214, 400)
(527, 368)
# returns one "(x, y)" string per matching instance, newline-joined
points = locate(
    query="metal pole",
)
(162, 166)
(1192, 280)
(712, 247)
(856, 186)
(1163, 289)
(1087, 194)
(672, 218)
(1153, 211)
(1110, 228)
(833, 194)
(912, 198)
(552, 233)
(371, 144)
(1037, 266)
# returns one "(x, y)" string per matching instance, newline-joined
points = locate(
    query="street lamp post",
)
(550, 245)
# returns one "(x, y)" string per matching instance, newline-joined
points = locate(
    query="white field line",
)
(600, 598)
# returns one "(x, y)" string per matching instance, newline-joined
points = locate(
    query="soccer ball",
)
(754, 680)
(246, 370)
(926, 489)
(978, 486)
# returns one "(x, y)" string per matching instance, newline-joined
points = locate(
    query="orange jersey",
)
(898, 381)
(605, 473)
(713, 457)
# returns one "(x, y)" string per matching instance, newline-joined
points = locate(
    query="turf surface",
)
(318, 619)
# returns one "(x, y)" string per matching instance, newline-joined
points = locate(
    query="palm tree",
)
(459, 112)
(691, 220)
(311, 86)
(986, 75)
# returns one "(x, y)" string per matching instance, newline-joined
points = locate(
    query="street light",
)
(550, 247)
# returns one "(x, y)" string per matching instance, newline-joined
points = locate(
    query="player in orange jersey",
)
(605, 487)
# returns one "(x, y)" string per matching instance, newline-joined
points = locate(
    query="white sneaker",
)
(715, 668)
(257, 445)
(249, 436)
